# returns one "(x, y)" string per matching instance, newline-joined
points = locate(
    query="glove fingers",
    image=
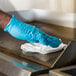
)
(53, 41)
(43, 39)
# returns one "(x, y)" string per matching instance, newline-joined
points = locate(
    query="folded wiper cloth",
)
(39, 48)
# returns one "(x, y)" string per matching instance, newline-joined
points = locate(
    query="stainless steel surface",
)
(10, 70)
(7, 41)
(64, 71)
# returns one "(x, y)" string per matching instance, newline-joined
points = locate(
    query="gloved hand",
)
(30, 33)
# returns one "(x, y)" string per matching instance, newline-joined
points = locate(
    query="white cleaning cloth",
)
(39, 48)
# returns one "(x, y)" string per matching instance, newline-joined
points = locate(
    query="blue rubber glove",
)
(30, 33)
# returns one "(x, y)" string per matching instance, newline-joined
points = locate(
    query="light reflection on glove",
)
(30, 33)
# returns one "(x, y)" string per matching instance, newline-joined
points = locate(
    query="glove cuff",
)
(9, 24)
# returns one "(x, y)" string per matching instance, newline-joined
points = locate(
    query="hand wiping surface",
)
(30, 33)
